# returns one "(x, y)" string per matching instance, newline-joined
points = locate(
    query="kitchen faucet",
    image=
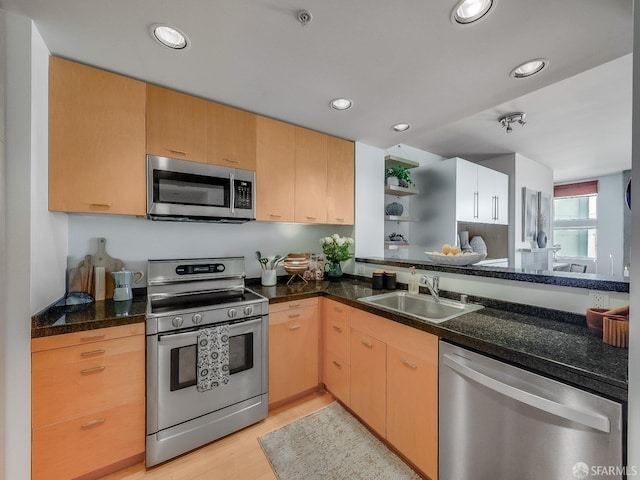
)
(433, 286)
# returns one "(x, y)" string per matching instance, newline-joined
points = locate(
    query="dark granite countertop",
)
(556, 344)
(59, 318)
(566, 279)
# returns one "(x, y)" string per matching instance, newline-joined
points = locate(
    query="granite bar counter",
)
(554, 343)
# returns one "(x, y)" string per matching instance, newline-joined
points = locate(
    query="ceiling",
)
(400, 61)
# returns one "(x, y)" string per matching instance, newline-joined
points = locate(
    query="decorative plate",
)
(457, 260)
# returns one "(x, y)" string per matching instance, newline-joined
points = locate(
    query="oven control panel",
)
(200, 269)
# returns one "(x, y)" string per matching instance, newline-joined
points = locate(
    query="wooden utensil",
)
(110, 264)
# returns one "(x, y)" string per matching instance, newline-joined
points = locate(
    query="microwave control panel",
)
(243, 194)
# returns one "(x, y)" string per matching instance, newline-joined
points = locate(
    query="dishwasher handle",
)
(597, 422)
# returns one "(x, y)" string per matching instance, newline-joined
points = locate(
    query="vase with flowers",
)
(336, 250)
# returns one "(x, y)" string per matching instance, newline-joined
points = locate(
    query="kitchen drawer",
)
(337, 311)
(82, 445)
(337, 377)
(293, 315)
(72, 381)
(283, 306)
(336, 335)
(88, 336)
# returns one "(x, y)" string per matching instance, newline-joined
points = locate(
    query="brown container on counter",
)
(390, 280)
(377, 280)
(615, 331)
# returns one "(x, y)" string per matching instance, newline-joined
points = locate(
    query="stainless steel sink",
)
(421, 306)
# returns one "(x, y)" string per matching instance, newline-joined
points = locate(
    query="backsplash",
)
(135, 240)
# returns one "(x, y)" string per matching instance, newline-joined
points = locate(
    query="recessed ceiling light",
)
(341, 104)
(401, 127)
(469, 11)
(529, 68)
(170, 37)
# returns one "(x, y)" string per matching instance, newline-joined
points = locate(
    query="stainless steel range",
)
(198, 310)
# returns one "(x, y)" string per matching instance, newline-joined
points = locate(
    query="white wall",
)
(136, 240)
(523, 172)
(48, 230)
(633, 425)
(3, 246)
(610, 240)
(369, 232)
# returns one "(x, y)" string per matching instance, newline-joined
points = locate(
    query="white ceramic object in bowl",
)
(455, 260)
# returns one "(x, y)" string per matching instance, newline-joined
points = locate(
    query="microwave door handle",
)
(232, 194)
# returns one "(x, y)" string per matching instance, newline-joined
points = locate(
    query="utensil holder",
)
(269, 278)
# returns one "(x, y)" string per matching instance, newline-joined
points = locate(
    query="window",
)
(575, 219)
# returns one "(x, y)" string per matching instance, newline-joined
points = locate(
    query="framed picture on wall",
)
(529, 214)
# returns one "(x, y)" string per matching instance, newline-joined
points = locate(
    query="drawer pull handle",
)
(337, 329)
(92, 423)
(177, 151)
(409, 364)
(337, 364)
(92, 337)
(105, 205)
(94, 352)
(340, 219)
(338, 309)
(294, 305)
(312, 218)
(366, 344)
(294, 315)
(275, 216)
(92, 370)
(231, 161)
(295, 327)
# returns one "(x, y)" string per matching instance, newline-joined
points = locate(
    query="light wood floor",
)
(235, 457)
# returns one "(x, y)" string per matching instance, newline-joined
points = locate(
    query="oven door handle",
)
(170, 337)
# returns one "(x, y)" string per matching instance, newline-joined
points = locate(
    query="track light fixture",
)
(514, 117)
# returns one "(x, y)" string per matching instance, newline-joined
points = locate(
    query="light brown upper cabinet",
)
(275, 170)
(176, 125)
(311, 176)
(232, 137)
(96, 140)
(340, 181)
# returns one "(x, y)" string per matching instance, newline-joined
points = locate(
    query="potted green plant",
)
(398, 175)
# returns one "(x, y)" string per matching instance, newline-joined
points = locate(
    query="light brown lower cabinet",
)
(336, 349)
(393, 384)
(293, 349)
(88, 404)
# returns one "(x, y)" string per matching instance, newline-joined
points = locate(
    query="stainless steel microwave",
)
(191, 191)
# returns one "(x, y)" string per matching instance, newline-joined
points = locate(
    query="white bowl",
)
(459, 260)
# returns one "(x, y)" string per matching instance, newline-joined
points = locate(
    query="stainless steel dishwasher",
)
(502, 422)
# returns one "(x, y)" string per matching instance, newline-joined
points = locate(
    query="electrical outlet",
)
(360, 270)
(599, 299)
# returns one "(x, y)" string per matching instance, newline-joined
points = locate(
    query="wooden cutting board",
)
(110, 264)
(82, 277)
(100, 259)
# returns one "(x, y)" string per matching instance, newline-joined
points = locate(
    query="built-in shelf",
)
(395, 245)
(400, 218)
(400, 191)
(391, 161)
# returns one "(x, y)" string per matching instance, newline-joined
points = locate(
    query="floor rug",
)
(331, 444)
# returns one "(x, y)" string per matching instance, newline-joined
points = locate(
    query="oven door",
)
(177, 188)
(178, 398)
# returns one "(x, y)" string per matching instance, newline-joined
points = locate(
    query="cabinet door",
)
(311, 177)
(232, 137)
(340, 181)
(96, 141)
(275, 170)
(466, 191)
(336, 372)
(176, 125)
(493, 191)
(368, 380)
(412, 404)
(293, 352)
